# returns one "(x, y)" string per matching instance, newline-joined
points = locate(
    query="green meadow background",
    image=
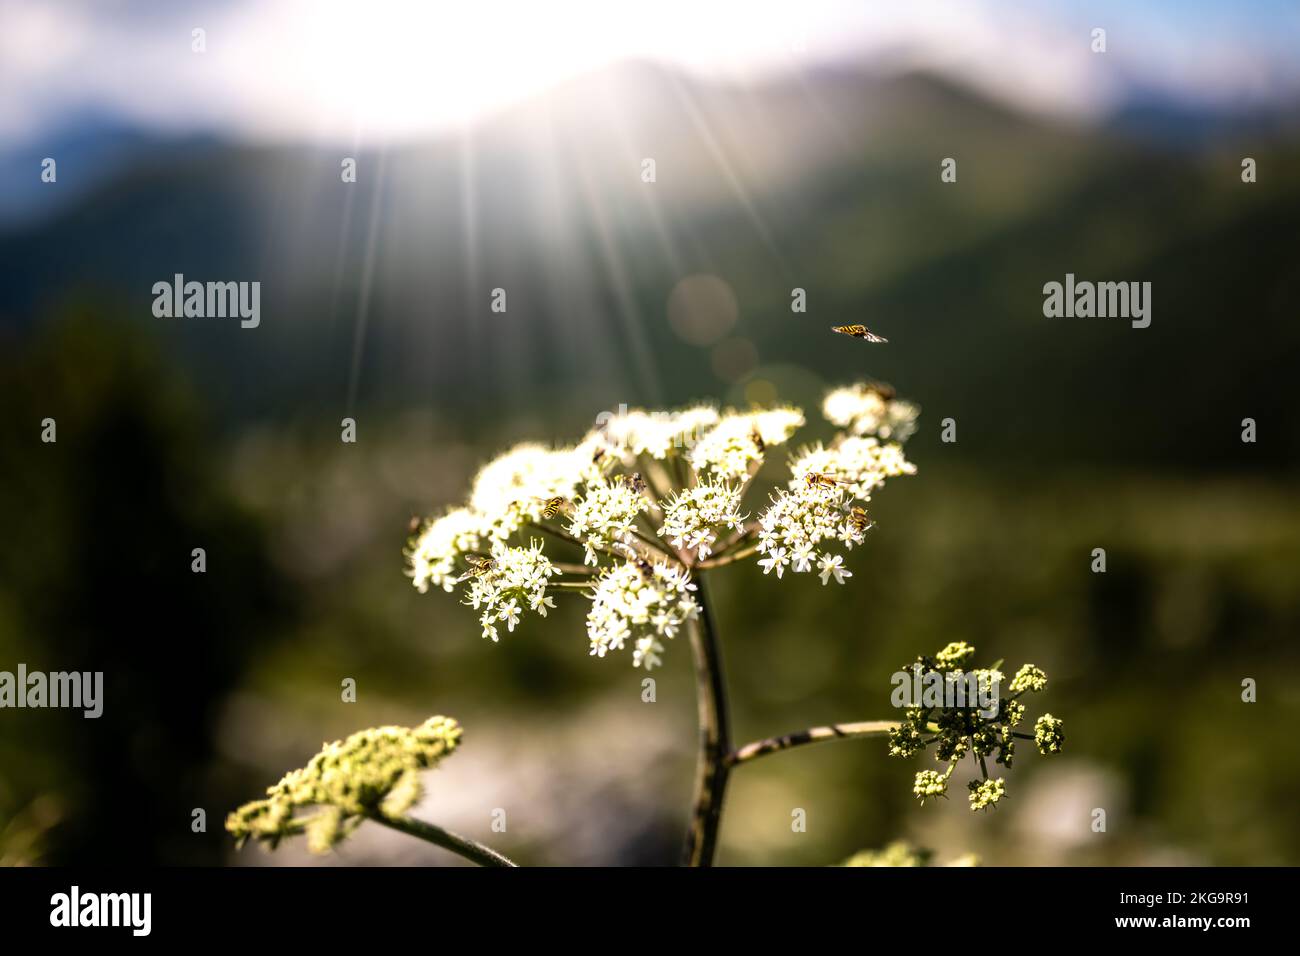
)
(1071, 435)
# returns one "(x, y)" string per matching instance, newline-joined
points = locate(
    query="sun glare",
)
(398, 68)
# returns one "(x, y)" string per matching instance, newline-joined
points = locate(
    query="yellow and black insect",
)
(756, 437)
(816, 478)
(645, 567)
(554, 506)
(635, 482)
(859, 332)
(858, 520)
(479, 565)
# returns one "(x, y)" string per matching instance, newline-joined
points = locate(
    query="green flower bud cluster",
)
(903, 853)
(373, 772)
(1048, 734)
(985, 793)
(956, 731)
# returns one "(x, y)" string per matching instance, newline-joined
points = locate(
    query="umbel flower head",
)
(630, 513)
(511, 580)
(694, 518)
(373, 772)
(905, 854)
(972, 727)
(870, 408)
(639, 602)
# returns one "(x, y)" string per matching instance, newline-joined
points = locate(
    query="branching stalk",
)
(722, 560)
(471, 850)
(712, 768)
(813, 735)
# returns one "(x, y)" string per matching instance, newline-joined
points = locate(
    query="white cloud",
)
(339, 70)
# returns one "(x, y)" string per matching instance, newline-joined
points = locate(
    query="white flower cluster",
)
(738, 441)
(591, 494)
(859, 465)
(795, 529)
(693, 517)
(433, 554)
(871, 409)
(604, 515)
(637, 432)
(508, 492)
(514, 488)
(639, 602)
(514, 575)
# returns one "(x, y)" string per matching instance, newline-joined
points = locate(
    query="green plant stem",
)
(565, 536)
(712, 767)
(813, 735)
(736, 539)
(555, 533)
(721, 561)
(657, 546)
(461, 846)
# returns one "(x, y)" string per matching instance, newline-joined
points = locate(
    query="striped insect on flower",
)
(816, 479)
(858, 520)
(859, 332)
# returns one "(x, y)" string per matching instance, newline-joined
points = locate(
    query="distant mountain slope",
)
(832, 186)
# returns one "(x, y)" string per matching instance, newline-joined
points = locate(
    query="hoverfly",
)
(859, 332)
(554, 506)
(479, 565)
(756, 437)
(858, 520)
(817, 479)
(635, 482)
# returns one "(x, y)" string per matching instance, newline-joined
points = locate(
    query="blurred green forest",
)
(1072, 435)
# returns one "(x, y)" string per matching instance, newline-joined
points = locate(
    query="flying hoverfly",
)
(635, 482)
(859, 332)
(554, 506)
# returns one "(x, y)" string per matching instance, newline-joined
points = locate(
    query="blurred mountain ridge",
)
(377, 293)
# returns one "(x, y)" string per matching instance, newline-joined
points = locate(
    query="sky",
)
(379, 70)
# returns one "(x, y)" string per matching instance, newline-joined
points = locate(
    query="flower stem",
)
(556, 533)
(737, 538)
(721, 561)
(712, 767)
(461, 846)
(864, 728)
(657, 546)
